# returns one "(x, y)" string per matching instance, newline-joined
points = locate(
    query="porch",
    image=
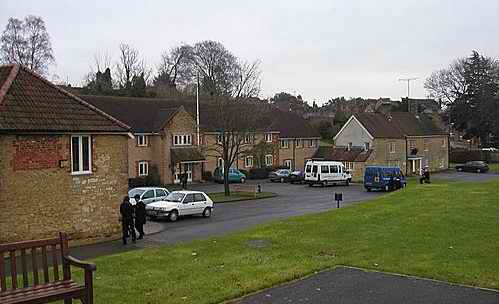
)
(187, 161)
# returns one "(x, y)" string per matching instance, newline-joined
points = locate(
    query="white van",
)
(323, 172)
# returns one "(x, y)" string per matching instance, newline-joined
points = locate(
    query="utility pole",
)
(408, 80)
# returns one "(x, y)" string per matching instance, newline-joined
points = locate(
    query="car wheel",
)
(459, 169)
(207, 212)
(478, 171)
(282, 179)
(347, 182)
(387, 188)
(243, 180)
(173, 216)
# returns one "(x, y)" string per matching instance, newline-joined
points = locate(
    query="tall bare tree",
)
(27, 42)
(175, 69)
(130, 65)
(447, 84)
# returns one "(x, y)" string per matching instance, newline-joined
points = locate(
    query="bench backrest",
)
(33, 257)
(244, 188)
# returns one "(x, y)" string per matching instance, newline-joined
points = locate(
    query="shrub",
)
(153, 179)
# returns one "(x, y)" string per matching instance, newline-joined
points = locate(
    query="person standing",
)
(140, 217)
(425, 178)
(126, 211)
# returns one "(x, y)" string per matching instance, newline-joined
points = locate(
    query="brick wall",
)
(39, 196)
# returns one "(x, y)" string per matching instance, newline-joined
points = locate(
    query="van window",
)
(324, 169)
(314, 169)
(308, 169)
(334, 169)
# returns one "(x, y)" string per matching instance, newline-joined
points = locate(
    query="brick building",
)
(63, 162)
(400, 139)
(166, 136)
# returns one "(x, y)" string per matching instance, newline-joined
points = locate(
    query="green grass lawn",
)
(494, 167)
(446, 231)
(219, 197)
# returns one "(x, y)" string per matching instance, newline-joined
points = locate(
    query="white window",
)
(298, 143)
(182, 140)
(268, 137)
(142, 140)
(349, 166)
(269, 160)
(81, 154)
(391, 147)
(426, 143)
(219, 138)
(366, 146)
(284, 144)
(412, 144)
(311, 143)
(350, 145)
(248, 161)
(220, 162)
(287, 163)
(143, 168)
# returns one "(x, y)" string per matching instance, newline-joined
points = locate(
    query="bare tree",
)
(130, 65)
(448, 84)
(175, 68)
(27, 43)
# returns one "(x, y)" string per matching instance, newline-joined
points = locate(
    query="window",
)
(81, 154)
(333, 169)
(189, 198)
(248, 138)
(161, 193)
(142, 140)
(412, 144)
(314, 169)
(287, 163)
(143, 168)
(220, 162)
(182, 140)
(308, 169)
(269, 160)
(219, 138)
(248, 161)
(284, 144)
(349, 166)
(298, 143)
(148, 194)
(426, 143)
(391, 147)
(311, 143)
(350, 145)
(366, 146)
(324, 169)
(268, 137)
(199, 197)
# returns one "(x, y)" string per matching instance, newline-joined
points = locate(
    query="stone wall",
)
(40, 197)
(298, 151)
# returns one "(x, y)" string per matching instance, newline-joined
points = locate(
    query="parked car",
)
(325, 173)
(383, 178)
(148, 194)
(180, 203)
(280, 175)
(473, 166)
(235, 176)
(296, 177)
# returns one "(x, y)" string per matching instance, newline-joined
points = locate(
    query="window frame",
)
(80, 170)
(267, 157)
(298, 143)
(144, 164)
(246, 165)
(145, 142)
(390, 146)
(284, 144)
(288, 161)
(268, 138)
(182, 139)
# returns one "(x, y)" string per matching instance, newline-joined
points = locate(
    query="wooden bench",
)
(243, 188)
(32, 258)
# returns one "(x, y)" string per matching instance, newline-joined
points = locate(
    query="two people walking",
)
(132, 217)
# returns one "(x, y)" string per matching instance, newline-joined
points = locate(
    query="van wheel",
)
(282, 180)
(310, 184)
(368, 189)
(207, 212)
(243, 180)
(387, 188)
(173, 216)
(478, 171)
(347, 182)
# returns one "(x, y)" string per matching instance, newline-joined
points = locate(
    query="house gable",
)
(353, 132)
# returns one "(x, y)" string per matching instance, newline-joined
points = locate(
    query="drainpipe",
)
(294, 154)
(406, 156)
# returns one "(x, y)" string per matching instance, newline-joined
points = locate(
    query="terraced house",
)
(405, 140)
(166, 137)
(63, 162)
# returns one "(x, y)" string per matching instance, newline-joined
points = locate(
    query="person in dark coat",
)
(183, 180)
(140, 217)
(425, 178)
(126, 211)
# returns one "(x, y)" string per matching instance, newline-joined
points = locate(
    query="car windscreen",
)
(314, 169)
(175, 197)
(134, 192)
(308, 169)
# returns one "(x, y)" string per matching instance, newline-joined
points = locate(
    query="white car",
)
(148, 194)
(180, 203)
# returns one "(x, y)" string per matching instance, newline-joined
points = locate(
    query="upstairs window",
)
(142, 140)
(269, 160)
(143, 168)
(311, 143)
(182, 140)
(391, 147)
(268, 137)
(219, 138)
(287, 163)
(248, 161)
(284, 144)
(298, 143)
(248, 138)
(81, 154)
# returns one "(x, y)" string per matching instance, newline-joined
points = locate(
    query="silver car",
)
(148, 194)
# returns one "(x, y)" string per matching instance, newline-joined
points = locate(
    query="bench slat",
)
(55, 263)
(34, 263)
(13, 269)
(45, 265)
(3, 283)
(24, 268)
(27, 244)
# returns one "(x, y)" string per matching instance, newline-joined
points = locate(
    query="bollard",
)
(259, 188)
(338, 197)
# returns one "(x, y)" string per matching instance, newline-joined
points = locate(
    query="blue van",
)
(383, 178)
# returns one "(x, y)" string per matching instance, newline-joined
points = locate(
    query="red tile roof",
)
(29, 103)
(354, 154)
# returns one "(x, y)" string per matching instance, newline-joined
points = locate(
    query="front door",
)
(183, 168)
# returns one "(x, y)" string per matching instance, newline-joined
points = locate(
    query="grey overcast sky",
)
(319, 49)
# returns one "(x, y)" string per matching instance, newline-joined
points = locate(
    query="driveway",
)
(351, 285)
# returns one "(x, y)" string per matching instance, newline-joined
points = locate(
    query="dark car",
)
(473, 166)
(280, 175)
(296, 177)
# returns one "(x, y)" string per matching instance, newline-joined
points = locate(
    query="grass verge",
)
(445, 231)
(219, 197)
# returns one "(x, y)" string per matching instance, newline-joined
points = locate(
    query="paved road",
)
(293, 200)
(351, 286)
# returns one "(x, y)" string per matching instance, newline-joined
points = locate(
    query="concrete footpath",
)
(347, 285)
